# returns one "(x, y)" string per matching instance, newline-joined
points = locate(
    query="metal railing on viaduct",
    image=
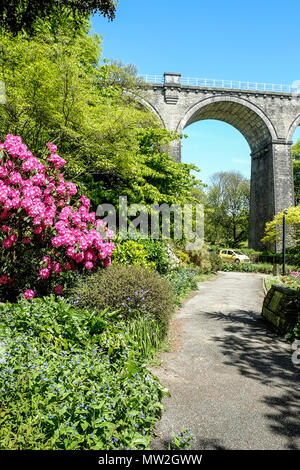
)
(229, 84)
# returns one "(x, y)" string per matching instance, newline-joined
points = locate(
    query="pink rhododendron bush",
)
(47, 232)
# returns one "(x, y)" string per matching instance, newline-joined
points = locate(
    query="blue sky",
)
(252, 41)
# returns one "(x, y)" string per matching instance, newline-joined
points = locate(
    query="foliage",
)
(227, 211)
(291, 280)
(150, 253)
(296, 332)
(56, 91)
(215, 261)
(269, 256)
(293, 256)
(130, 252)
(201, 258)
(183, 280)
(157, 253)
(61, 324)
(51, 321)
(133, 290)
(43, 236)
(146, 333)
(273, 230)
(296, 169)
(55, 395)
(183, 440)
(31, 15)
(181, 254)
(248, 267)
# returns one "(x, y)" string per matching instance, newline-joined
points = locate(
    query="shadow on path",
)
(251, 347)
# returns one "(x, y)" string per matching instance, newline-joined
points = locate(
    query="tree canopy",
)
(228, 207)
(57, 91)
(274, 232)
(29, 15)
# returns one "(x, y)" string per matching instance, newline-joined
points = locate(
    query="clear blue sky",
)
(252, 41)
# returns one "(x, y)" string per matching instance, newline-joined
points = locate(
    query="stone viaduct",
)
(267, 116)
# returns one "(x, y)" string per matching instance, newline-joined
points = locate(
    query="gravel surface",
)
(231, 379)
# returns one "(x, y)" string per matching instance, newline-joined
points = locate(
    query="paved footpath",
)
(232, 381)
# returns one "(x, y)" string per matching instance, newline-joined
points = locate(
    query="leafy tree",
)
(228, 206)
(273, 231)
(30, 16)
(296, 169)
(57, 92)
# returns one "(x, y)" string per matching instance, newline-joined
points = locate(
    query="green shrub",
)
(149, 253)
(293, 256)
(201, 258)
(49, 319)
(133, 290)
(182, 256)
(157, 253)
(130, 252)
(215, 261)
(248, 267)
(266, 268)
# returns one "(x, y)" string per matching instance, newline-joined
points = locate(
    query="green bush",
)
(130, 252)
(62, 396)
(266, 268)
(293, 256)
(248, 267)
(215, 261)
(133, 290)
(182, 256)
(201, 258)
(149, 253)
(157, 253)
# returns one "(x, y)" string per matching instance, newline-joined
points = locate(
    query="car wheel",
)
(237, 261)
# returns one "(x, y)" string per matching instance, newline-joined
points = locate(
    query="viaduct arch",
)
(267, 119)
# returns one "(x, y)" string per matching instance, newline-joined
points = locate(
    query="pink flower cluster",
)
(295, 274)
(35, 199)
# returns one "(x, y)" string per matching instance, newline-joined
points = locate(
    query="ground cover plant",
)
(183, 280)
(69, 380)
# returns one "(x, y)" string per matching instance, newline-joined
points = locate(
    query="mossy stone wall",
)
(281, 308)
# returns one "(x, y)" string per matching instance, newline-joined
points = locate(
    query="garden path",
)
(231, 379)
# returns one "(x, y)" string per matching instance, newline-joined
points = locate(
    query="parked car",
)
(233, 256)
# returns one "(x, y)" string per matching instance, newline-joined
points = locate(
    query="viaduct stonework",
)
(266, 118)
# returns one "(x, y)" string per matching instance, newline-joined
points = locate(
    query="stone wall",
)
(281, 308)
